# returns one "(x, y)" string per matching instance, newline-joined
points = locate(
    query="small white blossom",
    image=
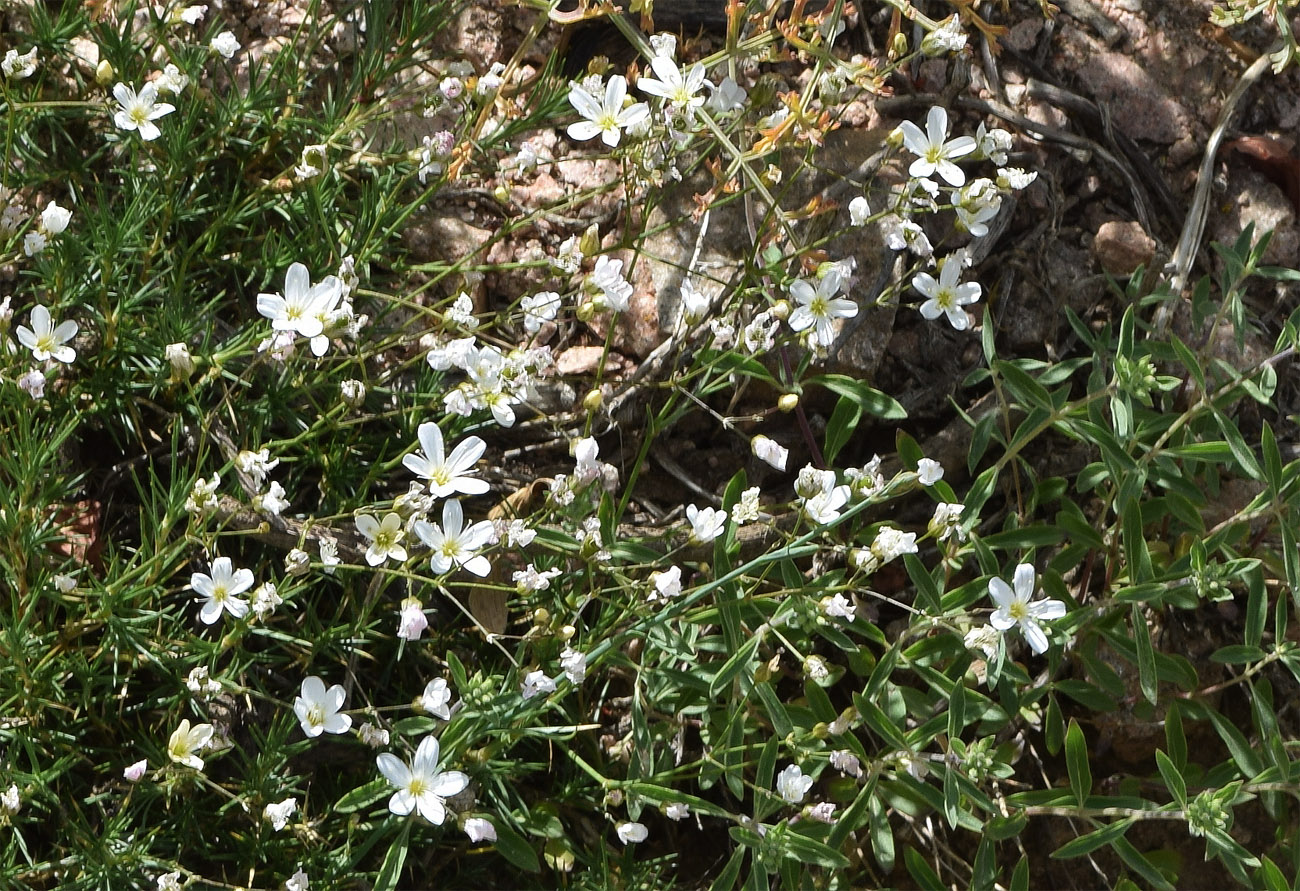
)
(412, 621)
(792, 785)
(185, 741)
(947, 38)
(170, 881)
(824, 507)
(929, 471)
(352, 392)
(839, 607)
(297, 882)
(203, 495)
(1014, 607)
(574, 664)
(613, 291)
(859, 211)
(436, 699)
(605, 116)
(19, 66)
(706, 524)
(728, 97)
(172, 81)
(11, 801)
(935, 152)
(747, 509)
(297, 562)
(677, 811)
(529, 579)
(422, 785)
(846, 762)
(818, 307)
(319, 709)
(993, 144)
(631, 833)
(667, 584)
(133, 773)
(220, 591)
(1015, 179)
(226, 44)
(256, 464)
(329, 555)
(33, 383)
(182, 363)
(272, 501)
(264, 600)
(535, 683)
(312, 163)
(447, 474)
(770, 451)
(278, 814)
(453, 543)
(479, 829)
(47, 340)
(375, 737)
(63, 583)
(948, 294)
(539, 308)
(385, 538)
(695, 303)
(138, 111)
(946, 522)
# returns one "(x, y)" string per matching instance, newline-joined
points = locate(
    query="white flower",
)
(138, 111)
(221, 590)
(448, 474)
(859, 211)
(819, 307)
(706, 524)
(272, 501)
(385, 538)
(604, 117)
(19, 66)
(54, 219)
(728, 97)
(297, 562)
(614, 291)
(976, 204)
(256, 464)
(172, 81)
(200, 684)
(574, 664)
(846, 762)
(352, 392)
(529, 579)
(982, 639)
(312, 163)
(264, 600)
(822, 812)
(747, 509)
(479, 829)
(1015, 608)
(170, 881)
(677, 811)
(63, 583)
(680, 89)
(182, 363)
(329, 555)
(226, 44)
(186, 740)
(631, 833)
(33, 383)
(304, 307)
(372, 736)
(412, 621)
(770, 451)
(45, 339)
(946, 522)
(318, 708)
(436, 699)
(668, 583)
(839, 607)
(935, 152)
(947, 295)
(421, 785)
(993, 144)
(278, 814)
(1015, 178)
(947, 38)
(889, 544)
(133, 772)
(792, 785)
(203, 495)
(539, 308)
(296, 882)
(929, 471)
(453, 544)
(824, 507)
(536, 682)
(695, 303)
(11, 801)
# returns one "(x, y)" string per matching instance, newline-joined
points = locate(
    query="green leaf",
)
(362, 796)
(735, 664)
(909, 452)
(951, 797)
(1021, 385)
(1175, 739)
(1173, 778)
(1136, 861)
(1240, 451)
(775, 709)
(515, 848)
(1086, 844)
(809, 850)
(1024, 538)
(1146, 657)
(1076, 762)
(766, 773)
(839, 429)
(879, 723)
(726, 879)
(1135, 544)
(957, 710)
(979, 492)
(1020, 875)
(920, 870)
(1272, 457)
(390, 872)
(873, 401)
(927, 591)
(1234, 654)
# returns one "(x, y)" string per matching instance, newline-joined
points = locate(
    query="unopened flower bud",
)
(178, 354)
(586, 311)
(104, 73)
(780, 310)
(353, 393)
(541, 617)
(593, 400)
(899, 46)
(788, 402)
(589, 243)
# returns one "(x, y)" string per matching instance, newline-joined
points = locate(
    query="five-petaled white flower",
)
(421, 786)
(318, 708)
(819, 307)
(631, 833)
(139, 110)
(45, 339)
(186, 740)
(385, 538)
(947, 295)
(706, 524)
(447, 474)
(605, 117)
(221, 590)
(455, 545)
(792, 785)
(436, 699)
(226, 44)
(304, 307)
(278, 813)
(935, 152)
(1015, 608)
(682, 89)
